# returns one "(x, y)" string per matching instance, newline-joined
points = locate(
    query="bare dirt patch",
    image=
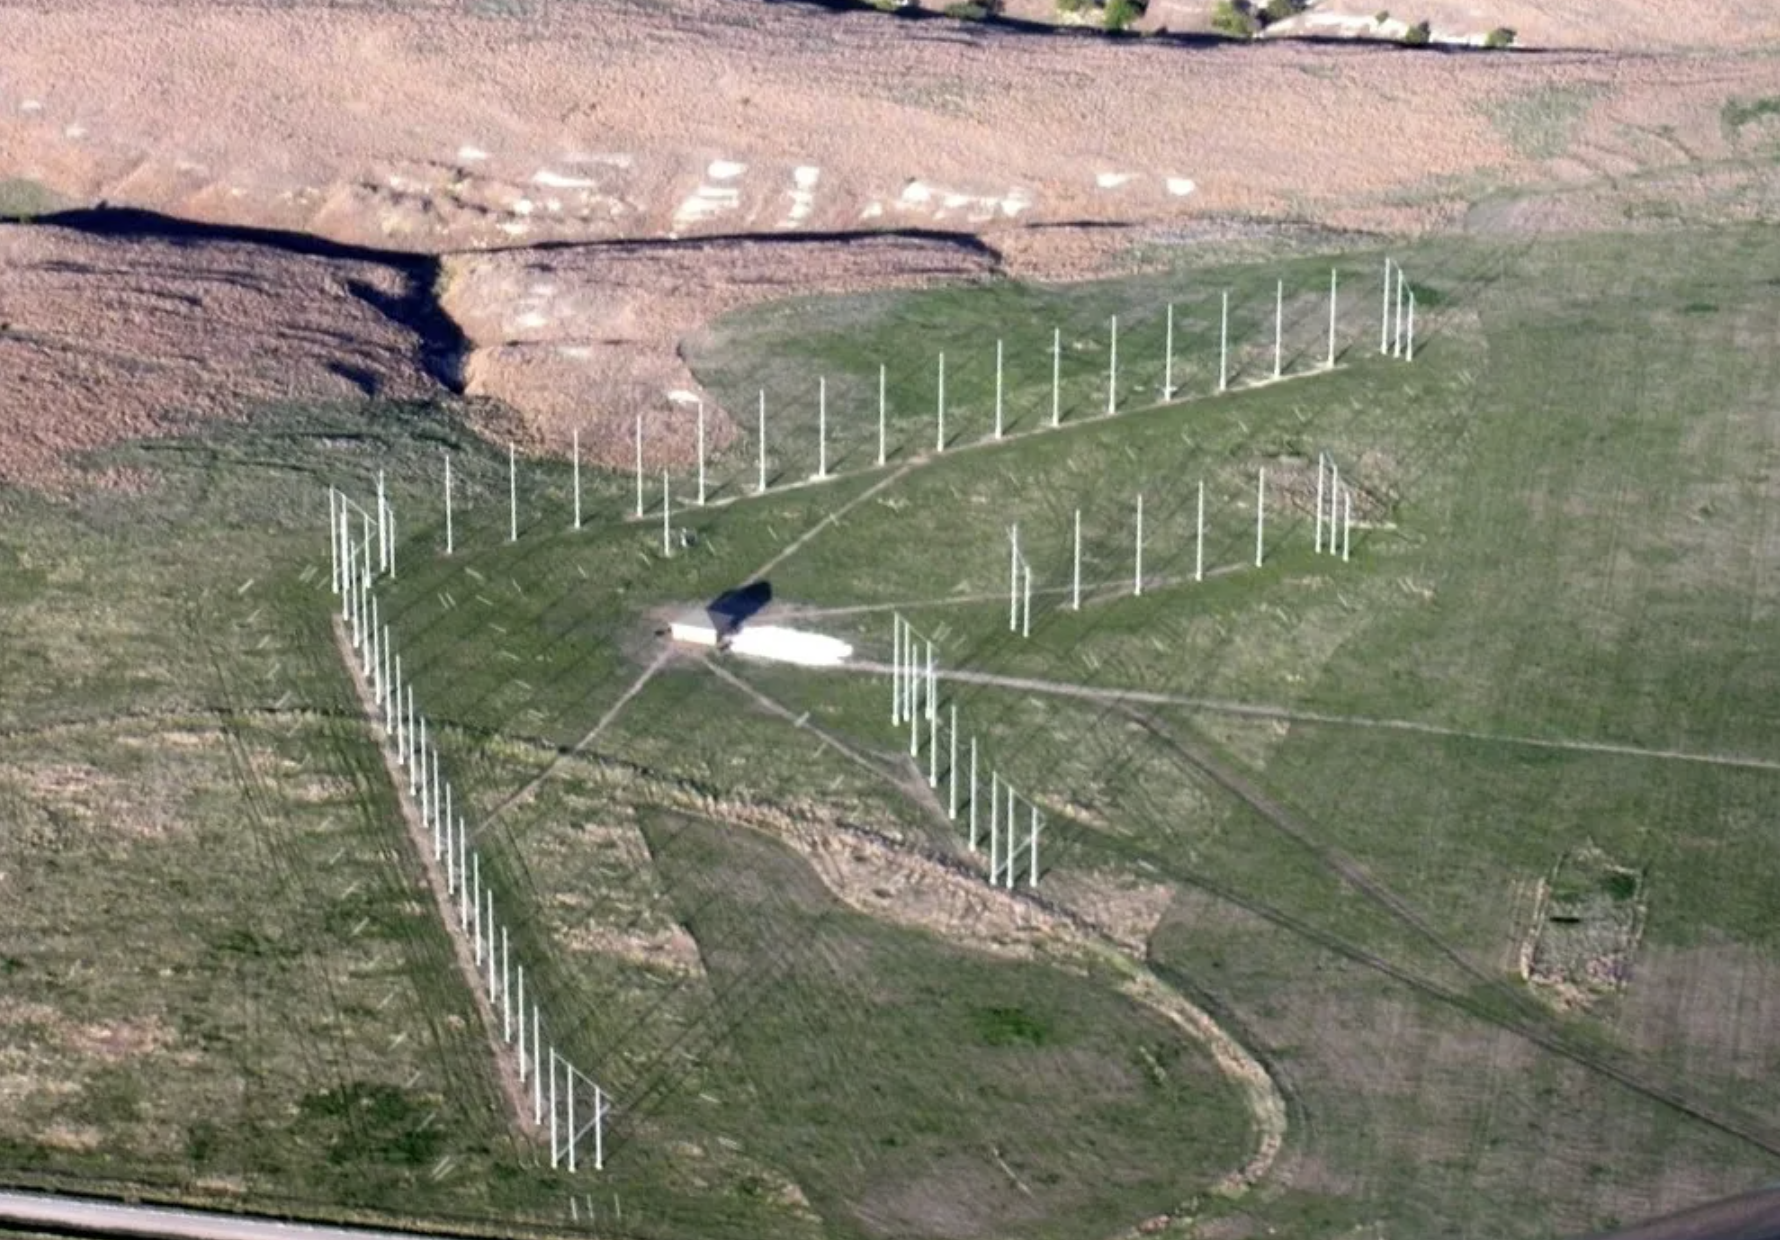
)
(103, 339)
(588, 338)
(1589, 915)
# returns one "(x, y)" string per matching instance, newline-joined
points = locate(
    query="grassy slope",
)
(1571, 544)
(1579, 553)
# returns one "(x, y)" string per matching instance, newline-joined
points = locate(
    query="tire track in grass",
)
(417, 838)
(1266, 1102)
(1530, 1024)
(527, 789)
(278, 854)
(1288, 714)
(429, 956)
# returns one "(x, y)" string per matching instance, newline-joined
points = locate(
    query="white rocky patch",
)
(705, 202)
(725, 170)
(803, 197)
(471, 154)
(1112, 180)
(556, 180)
(1180, 187)
(31, 105)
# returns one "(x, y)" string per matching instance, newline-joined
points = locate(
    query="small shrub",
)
(1418, 35)
(1071, 6)
(971, 11)
(1235, 18)
(1381, 17)
(1279, 10)
(1121, 13)
(1501, 36)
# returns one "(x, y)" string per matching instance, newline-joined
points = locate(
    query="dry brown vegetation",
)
(428, 128)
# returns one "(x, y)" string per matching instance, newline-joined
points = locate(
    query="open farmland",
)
(1330, 806)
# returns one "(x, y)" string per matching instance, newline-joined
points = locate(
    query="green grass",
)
(1552, 635)
(1737, 113)
(1539, 123)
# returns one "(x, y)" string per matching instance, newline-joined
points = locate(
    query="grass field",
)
(1327, 825)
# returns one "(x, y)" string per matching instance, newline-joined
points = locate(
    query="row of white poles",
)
(1336, 511)
(941, 439)
(914, 697)
(355, 572)
(1397, 339)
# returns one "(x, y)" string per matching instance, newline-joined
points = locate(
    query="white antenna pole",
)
(506, 991)
(1224, 346)
(913, 701)
(973, 794)
(463, 869)
(1332, 297)
(942, 402)
(932, 725)
(1410, 350)
(881, 421)
(599, 1129)
(1260, 512)
(1199, 538)
(1056, 376)
(701, 453)
(1032, 847)
(433, 803)
(952, 769)
(895, 669)
(1075, 594)
(1347, 521)
(373, 663)
(401, 721)
(1397, 336)
(440, 841)
(1013, 578)
(639, 466)
(1334, 502)
(520, 1005)
(452, 877)
(413, 739)
(334, 540)
(998, 406)
(1321, 467)
(1279, 326)
(1026, 607)
(476, 904)
(449, 548)
(1112, 369)
(666, 548)
(488, 930)
(760, 484)
(1009, 847)
(932, 686)
(512, 496)
(1168, 358)
(1384, 328)
(554, 1156)
(822, 427)
(382, 526)
(568, 1077)
(537, 1078)
(1137, 576)
(994, 820)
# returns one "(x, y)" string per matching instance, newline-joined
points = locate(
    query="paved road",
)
(111, 1218)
